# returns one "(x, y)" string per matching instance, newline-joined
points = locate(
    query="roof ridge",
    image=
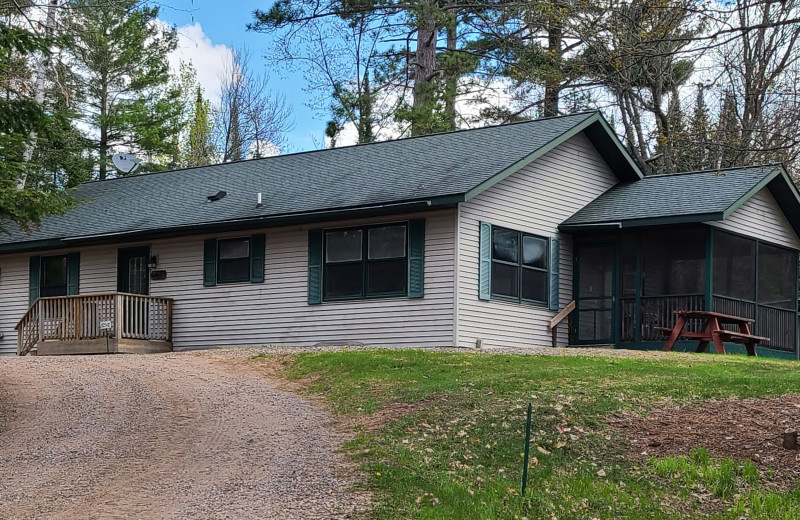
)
(305, 152)
(712, 170)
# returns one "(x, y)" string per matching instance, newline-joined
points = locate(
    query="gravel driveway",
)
(189, 435)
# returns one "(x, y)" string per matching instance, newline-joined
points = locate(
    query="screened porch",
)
(629, 283)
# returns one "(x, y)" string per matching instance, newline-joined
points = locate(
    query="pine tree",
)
(121, 53)
(26, 195)
(728, 134)
(698, 149)
(199, 150)
(365, 103)
(235, 141)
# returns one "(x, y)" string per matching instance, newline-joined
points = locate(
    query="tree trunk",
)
(102, 172)
(41, 76)
(452, 73)
(424, 68)
(365, 121)
(552, 84)
(234, 152)
(103, 148)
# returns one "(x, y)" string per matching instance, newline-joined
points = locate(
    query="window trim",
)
(247, 278)
(41, 276)
(520, 266)
(365, 261)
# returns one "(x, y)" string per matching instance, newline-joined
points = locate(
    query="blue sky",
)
(224, 23)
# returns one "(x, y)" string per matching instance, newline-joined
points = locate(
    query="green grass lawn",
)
(458, 453)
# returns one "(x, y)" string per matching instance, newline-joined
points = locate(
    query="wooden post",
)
(78, 324)
(40, 334)
(790, 440)
(20, 335)
(570, 338)
(118, 316)
(558, 318)
(169, 320)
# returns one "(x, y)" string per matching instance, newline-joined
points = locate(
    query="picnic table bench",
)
(713, 331)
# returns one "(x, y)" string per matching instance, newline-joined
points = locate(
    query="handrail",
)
(28, 330)
(558, 318)
(78, 317)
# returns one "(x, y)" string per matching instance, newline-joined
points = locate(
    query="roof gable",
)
(703, 196)
(427, 171)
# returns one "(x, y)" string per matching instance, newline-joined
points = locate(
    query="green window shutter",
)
(555, 257)
(485, 262)
(257, 258)
(416, 258)
(73, 273)
(210, 262)
(314, 266)
(33, 278)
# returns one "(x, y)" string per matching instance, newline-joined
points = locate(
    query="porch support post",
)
(118, 309)
(637, 306)
(39, 304)
(796, 308)
(77, 310)
(709, 269)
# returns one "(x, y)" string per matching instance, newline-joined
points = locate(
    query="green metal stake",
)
(527, 449)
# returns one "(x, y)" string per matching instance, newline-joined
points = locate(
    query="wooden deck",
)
(97, 323)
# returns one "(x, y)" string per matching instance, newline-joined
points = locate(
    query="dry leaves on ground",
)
(741, 429)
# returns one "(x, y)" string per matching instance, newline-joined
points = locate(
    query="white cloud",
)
(208, 58)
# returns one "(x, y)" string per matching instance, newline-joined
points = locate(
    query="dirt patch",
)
(273, 364)
(376, 421)
(742, 429)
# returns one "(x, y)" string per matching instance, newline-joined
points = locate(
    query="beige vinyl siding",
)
(761, 217)
(277, 312)
(98, 273)
(273, 312)
(536, 200)
(13, 298)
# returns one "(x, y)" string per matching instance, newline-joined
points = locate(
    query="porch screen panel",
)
(734, 284)
(776, 276)
(595, 286)
(777, 285)
(734, 266)
(673, 275)
(628, 272)
(673, 262)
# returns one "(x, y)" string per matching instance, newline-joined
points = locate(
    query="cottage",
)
(476, 236)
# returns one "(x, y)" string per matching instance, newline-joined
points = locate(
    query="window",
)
(366, 262)
(519, 266)
(233, 261)
(53, 276)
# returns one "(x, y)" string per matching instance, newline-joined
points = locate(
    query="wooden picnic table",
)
(713, 331)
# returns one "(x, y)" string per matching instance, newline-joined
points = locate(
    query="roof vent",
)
(217, 196)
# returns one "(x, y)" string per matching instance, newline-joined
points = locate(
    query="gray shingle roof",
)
(430, 168)
(682, 197)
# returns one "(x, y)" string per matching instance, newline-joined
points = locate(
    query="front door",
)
(133, 272)
(595, 302)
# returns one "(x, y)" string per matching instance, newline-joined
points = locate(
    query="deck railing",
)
(78, 318)
(654, 312)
